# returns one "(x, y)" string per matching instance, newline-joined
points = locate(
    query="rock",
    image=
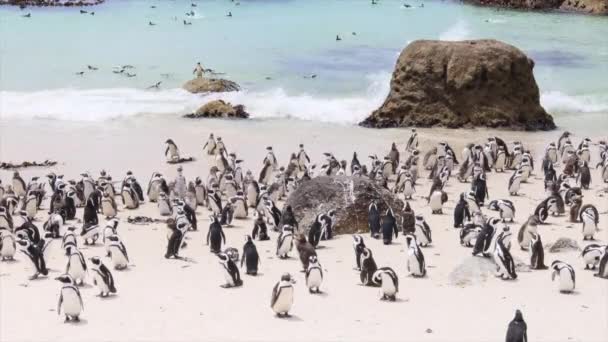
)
(210, 85)
(350, 196)
(563, 245)
(473, 270)
(219, 109)
(582, 6)
(66, 3)
(468, 83)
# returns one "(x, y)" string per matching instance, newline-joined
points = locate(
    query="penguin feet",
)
(76, 319)
(67, 319)
(226, 286)
(34, 277)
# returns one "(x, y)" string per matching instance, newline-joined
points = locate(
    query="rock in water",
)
(563, 245)
(468, 83)
(219, 109)
(210, 85)
(582, 6)
(350, 196)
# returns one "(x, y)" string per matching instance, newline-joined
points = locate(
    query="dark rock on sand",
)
(350, 196)
(581, 6)
(462, 84)
(210, 85)
(219, 109)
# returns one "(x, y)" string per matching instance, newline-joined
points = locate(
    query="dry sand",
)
(161, 299)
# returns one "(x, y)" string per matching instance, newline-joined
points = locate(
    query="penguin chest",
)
(408, 189)
(240, 211)
(413, 265)
(506, 213)
(435, 201)
(107, 209)
(71, 301)
(589, 226)
(100, 283)
(285, 245)
(566, 284)
(388, 286)
(284, 300)
(76, 270)
(228, 276)
(31, 208)
(119, 260)
(8, 247)
(200, 195)
(515, 185)
(314, 278)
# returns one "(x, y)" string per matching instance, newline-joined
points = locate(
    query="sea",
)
(283, 53)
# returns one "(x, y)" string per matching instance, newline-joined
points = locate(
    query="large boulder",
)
(210, 85)
(581, 6)
(219, 109)
(468, 83)
(350, 196)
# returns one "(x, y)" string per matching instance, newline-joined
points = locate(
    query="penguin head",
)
(169, 141)
(23, 241)
(287, 278)
(65, 279)
(313, 259)
(358, 240)
(224, 258)
(331, 213)
(248, 238)
(95, 261)
(113, 223)
(518, 316)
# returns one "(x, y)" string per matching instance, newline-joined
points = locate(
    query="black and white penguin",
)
(358, 246)
(567, 277)
(172, 152)
(527, 230)
(584, 175)
(164, 205)
(156, 185)
(250, 257)
(505, 207)
(389, 282)
(227, 215)
(130, 198)
(515, 182)
(215, 202)
(355, 164)
(373, 220)
(436, 200)
(118, 252)
(102, 277)
(518, 329)
(282, 296)
(69, 239)
(537, 253)
(416, 266)
(76, 266)
(468, 233)
(368, 268)
(260, 230)
(461, 212)
(503, 258)
(8, 246)
(230, 271)
(53, 224)
(108, 206)
(590, 218)
(314, 275)
(19, 187)
(70, 300)
(239, 205)
(389, 227)
(35, 254)
(412, 141)
(210, 145)
(422, 232)
(285, 241)
(484, 242)
(200, 191)
(271, 158)
(6, 219)
(176, 237)
(480, 188)
(592, 254)
(328, 219)
(215, 235)
(602, 272)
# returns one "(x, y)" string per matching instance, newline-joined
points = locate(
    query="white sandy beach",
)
(160, 299)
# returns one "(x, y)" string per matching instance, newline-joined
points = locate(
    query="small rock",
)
(563, 245)
(429, 331)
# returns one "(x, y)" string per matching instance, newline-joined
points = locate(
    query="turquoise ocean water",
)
(271, 47)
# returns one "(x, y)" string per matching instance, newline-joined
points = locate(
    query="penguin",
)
(408, 219)
(527, 231)
(480, 188)
(76, 266)
(472, 202)
(590, 218)
(90, 230)
(412, 141)
(436, 201)
(18, 183)
(156, 185)
(368, 268)
(422, 232)
(517, 330)
(227, 215)
(31, 206)
(215, 202)
(239, 204)
(6, 219)
(260, 230)
(503, 258)
(592, 254)
(129, 198)
(172, 152)
(70, 300)
(8, 246)
(461, 212)
(266, 173)
(389, 227)
(354, 164)
(505, 207)
(515, 182)
(102, 277)
(603, 269)
(389, 282)
(537, 252)
(109, 229)
(373, 220)
(273, 213)
(270, 158)
(484, 242)
(210, 145)
(164, 205)
(314, 275)
(36, 256)
(305, 250)
(288, 217)
(358, 246)
(118, 253)
(567, 277)
(253, 192)
(416, 266)
(469, 233)
(285, 241)
(53, 224)
(250, 257)
(314, 232)
(69, 239)
(282, 296)
(303, 159)
(230, 271)
(409, 188)
(108, 206)
(176, 238)
(215, 235)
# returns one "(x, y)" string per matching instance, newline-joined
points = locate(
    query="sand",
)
(160, 299)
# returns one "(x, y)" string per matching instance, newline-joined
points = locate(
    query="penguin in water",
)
(282, 296)
(314, 275)
(250, 257)
(368, 268)
(70, 300)
(373, 220)
(422, 232)
(592, 254)
(461, 212)
(567, 277)
(389, 227)
(389, 282)
(215, 235)
(260, 230)
(603, 269)
(537, 253)
(230, 270)
(77, 265)
(285, 241)
(416, 266)
(518, 329)
(358, 246)
(102, 277)
(36, 255)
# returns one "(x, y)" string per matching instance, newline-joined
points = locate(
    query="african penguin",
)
(518, 329)
(567, 277)
(70, 300)
(285, 241)
(250, 257)
(215, 235)
(282, 296)
(389, 282)
(416, 266)
(537, 253)
(314, 275)
(230, 271)
(102, 277)
(592, 254)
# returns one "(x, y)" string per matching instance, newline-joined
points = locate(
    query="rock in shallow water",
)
(219, 109)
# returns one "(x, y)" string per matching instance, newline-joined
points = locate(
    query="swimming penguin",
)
(36, 256)
(118, 252)
(422, 232)
(389, 282)
(230, 271)
(171, 152)
(215, 235)
(70, 300)
(389, 227)
(527, 231)
(567, 277)
(373, 220)
(282, 296)
(76, 266)
(503, 258)
(210, 145)
(102, 277)
(517, 330)
(590, 218)
(592, 254)
(603, 269)
(415, 259)
(8, 246)
(250, 257)
(368, 268)
(537, 253)
(314, 275)
(408, 219)
(260, 230)
(515, 182)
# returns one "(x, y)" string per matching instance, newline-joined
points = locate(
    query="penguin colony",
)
(229, 193)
